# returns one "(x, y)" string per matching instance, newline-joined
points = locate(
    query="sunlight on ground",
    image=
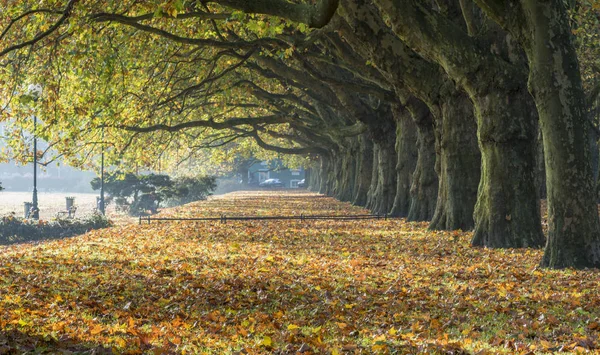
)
(49, 203)
(331, 287)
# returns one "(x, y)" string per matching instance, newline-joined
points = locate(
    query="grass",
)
(330, 287)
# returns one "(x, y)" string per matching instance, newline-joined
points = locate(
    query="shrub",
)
(16, 230)
(137, 194)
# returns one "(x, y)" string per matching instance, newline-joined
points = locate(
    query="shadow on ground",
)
(16, 342)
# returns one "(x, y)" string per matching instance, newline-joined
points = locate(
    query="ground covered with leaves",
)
(287, 287)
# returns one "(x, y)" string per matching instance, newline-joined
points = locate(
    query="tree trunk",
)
(385, 191)
(424, 187)
(324, 175)
(555, 82)
(374, 179)
(459, 165)
(346, 176)
(364, 171)
(507, 213)
(540, 168)
(407, 154)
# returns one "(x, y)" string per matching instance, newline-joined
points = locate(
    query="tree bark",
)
(555, 82)
(459, 165)
(424, 187)
(324, 176)
(374, 178)
(507, 213)
(364, 171)
(407, 154)
(542, 28)
(385, 190)
(345, 174)
(540, 168)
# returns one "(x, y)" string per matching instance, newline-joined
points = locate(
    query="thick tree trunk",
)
(345, 177)
(315, 177)
(459, 165)
(540, 167)
(424, 187)
(507, 213)
(407, 154)
(385, 191)
(371, 194)
(364, 171)
(555, 82)
(324, 175)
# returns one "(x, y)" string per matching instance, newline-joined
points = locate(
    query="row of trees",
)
(444, 110)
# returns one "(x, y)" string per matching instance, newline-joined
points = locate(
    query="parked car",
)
(271, 183)
(302, 184)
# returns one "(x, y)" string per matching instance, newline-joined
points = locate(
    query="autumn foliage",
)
(320, 287)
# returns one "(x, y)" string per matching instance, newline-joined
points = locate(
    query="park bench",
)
(69, 213)
(70, 210)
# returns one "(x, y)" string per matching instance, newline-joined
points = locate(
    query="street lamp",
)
(35, 91)
(101, 207)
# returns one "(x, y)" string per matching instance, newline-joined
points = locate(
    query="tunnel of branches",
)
(463, 113)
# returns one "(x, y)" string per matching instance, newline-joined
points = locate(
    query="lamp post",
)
(35, 90)
(101, 207)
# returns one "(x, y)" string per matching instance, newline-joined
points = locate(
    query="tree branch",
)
(315, 16)
(66, 13)
(229, 123)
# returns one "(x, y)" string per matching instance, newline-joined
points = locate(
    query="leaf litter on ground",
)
(287, 287)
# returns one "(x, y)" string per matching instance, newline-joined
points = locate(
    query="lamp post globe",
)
(35, 91)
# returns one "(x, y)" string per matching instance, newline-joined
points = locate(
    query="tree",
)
(391, 94)
(139, 193)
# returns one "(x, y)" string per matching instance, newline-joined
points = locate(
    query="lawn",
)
(326, 287)
(50, 203)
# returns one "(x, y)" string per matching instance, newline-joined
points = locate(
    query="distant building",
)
(275, 169)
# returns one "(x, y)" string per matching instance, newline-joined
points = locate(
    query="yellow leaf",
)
(392, 331)
(121, 342)
(269, 259)
(546, 344)
(97, 329)
(292, 327)
(267, 342)
(335, 352)
(316, 330)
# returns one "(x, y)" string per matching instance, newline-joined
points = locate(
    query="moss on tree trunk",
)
(507, 213)
(424, 186)
(364, 171)
(407, 154)
(555, 83)
(459, 165)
